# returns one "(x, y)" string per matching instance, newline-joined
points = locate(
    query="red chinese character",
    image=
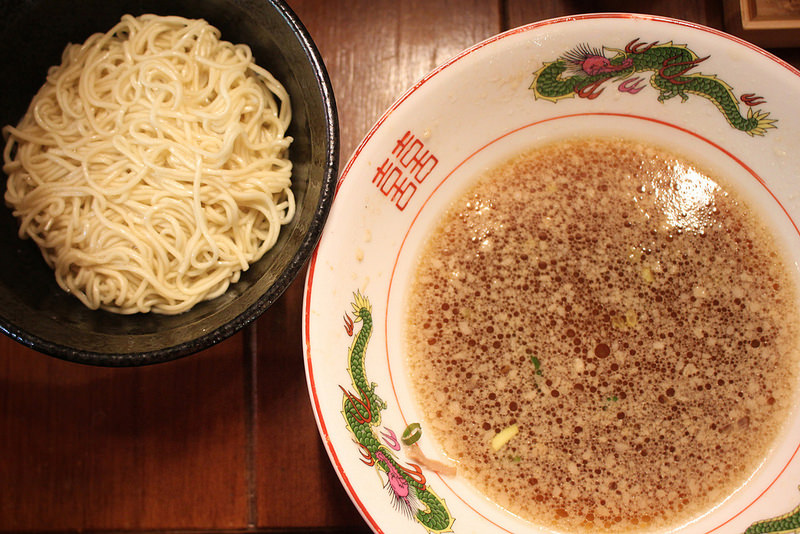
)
(418, 163)
(383, 174)
(408, 156)
(401, 145)
(402, 190)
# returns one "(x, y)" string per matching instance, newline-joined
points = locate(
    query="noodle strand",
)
(151, 168)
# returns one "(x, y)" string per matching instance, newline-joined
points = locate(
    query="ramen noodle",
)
(603, 338)
(151, 168)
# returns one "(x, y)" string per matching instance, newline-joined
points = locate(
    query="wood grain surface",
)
(226, 440)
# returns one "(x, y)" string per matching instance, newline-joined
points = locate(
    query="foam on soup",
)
(629, 314)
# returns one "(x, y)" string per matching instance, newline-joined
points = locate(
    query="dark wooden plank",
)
(374, 51)
(295, 484)
(146, 448)
(789, 55)
(168, 447)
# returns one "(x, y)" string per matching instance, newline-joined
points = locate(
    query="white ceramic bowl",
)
(479, 109)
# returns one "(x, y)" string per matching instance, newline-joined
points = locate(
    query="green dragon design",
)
(362, 412)
(583, 71)
(784, 524)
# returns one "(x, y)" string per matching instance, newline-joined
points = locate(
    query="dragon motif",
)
(362, 411)
(584, 70)
(784, 524)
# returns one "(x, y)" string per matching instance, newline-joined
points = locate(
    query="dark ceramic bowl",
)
(34, 310)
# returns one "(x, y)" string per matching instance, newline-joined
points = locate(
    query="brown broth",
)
(634, 319)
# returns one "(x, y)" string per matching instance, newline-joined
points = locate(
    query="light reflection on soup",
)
(629, 314)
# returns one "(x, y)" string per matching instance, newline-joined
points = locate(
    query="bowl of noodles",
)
(167, 170)
(558, 289)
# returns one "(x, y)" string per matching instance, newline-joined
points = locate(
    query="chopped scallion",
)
(411, 434)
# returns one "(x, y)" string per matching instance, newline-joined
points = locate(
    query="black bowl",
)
(34, 310)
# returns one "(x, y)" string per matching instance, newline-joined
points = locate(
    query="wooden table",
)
(226, 440)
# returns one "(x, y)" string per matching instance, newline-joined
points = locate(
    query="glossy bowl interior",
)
(34, 310)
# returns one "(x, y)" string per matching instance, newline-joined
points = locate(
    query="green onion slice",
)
(411, 434)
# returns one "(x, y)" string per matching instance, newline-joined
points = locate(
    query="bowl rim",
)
(281, 283)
